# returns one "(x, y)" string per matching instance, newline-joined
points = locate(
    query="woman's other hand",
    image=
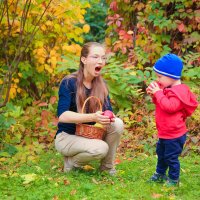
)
(102, 119)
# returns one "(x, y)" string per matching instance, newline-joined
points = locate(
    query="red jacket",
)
(173, 106)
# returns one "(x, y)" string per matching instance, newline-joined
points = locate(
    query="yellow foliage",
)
(16, 23)
(52, 52)
(57, 31)
(19, 90)
(41, 52)
(82, 21)
(20, 75)
(49, 23)
(69, 48)
(140, 66)
(40, 68)
(43, 27)
(16, 80)
(86, 28)
(39, 43)
(12, 93)
(83, 11)
(78, 31)
(80, 39)
(53, 61)
(108, 41)
(41, 60)
(133, 73)
(48, 68)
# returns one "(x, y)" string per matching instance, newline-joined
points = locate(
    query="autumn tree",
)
(34, 36)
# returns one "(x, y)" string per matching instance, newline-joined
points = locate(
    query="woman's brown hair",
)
(98, 88)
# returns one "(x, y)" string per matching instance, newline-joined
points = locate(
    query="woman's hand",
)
(153, 88)
(102, 119)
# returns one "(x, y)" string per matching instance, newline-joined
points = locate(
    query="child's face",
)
(164, 81)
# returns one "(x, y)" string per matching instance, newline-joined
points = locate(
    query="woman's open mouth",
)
(97, 69)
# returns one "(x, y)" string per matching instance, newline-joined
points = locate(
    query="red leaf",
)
(122, 32)
(52, 99)
(117, 161)
(43, 104)
(124, 50)
(118, 23)
(181, 27)
(113, 6)
(36, 102)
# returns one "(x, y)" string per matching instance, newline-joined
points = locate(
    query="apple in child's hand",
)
(109, 114)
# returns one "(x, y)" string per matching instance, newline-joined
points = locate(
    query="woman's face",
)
(94, 62)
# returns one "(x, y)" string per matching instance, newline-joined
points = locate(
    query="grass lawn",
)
(44, 179)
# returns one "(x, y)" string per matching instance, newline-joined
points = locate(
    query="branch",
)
(17, 60)
(8, 91)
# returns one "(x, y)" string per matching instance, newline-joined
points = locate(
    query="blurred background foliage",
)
(41, 43)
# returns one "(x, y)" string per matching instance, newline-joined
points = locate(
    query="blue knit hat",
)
(169, 65)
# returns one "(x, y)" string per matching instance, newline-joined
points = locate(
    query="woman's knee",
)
(99, 150)
(60, 141)
(118, 126)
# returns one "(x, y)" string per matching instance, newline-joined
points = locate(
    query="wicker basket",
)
(90, 131)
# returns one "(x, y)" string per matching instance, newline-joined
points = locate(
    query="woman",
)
(73, 91)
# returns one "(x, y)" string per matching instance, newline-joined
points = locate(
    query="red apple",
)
(108, 113)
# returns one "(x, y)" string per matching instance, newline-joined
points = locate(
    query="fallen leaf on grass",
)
(88, 168)
(55, 198)
(117, 161)
(66, 182)
(73, 192)
(183, 170)
(156, 196)
(95, 181)
(14, 174)
(28, 178)
(54, 167)
(3, 175)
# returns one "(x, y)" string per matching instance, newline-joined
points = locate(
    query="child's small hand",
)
(153, 88)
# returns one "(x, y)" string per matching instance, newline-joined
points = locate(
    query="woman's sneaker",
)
(111, 171)
(69, 164)
(159, 178)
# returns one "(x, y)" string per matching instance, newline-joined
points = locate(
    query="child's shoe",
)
(159, 178)
(171, 183)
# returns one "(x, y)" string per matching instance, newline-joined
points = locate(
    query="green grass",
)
(44, 179)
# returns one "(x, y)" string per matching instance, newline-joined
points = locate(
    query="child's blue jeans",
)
(168, 151)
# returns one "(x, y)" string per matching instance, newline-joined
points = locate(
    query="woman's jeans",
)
(168, 151)
(83, 150)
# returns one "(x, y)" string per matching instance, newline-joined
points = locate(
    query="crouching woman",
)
(74, 90)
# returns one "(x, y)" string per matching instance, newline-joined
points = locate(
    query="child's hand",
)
(148, 90)
(153, 88)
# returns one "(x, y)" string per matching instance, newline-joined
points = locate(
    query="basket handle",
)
(100, 105)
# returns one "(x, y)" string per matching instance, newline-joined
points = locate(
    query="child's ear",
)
(83, 60)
